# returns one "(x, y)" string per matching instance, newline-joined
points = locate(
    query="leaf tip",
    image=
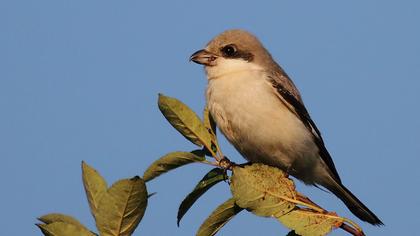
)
(84, 165)
(160, 96)
(151, 194)
(135, 178)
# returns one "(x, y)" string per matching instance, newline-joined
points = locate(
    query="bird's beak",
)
(204, 57)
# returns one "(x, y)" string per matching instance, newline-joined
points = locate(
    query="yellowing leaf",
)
(307, 222)
(122, 207)
(183, 119)
(218, 218)
(171, 161)
(213, 177)
(57, 217)
(266, 191)
(95, 187)
(262, 189)
(63, 229)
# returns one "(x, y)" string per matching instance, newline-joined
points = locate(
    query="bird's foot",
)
(226, 165)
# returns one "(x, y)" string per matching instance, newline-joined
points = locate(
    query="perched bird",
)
(260, 111)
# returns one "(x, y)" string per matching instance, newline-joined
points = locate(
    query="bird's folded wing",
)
(289, 95)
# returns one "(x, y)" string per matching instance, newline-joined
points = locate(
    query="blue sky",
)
(79, 81)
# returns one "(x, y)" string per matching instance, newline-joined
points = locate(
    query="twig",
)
(212, 163)
(351, 230)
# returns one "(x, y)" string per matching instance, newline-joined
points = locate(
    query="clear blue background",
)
(79, 81)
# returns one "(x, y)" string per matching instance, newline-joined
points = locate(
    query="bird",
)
(260, 111)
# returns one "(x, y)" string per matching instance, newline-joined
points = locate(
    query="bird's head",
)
(231, 51)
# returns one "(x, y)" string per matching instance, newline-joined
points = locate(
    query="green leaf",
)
(213, 177)
(209, 122)
(95, 187)
(262, 189)
(218, 218)
(57, 217)
(63, 229)
(183, 119)
(171, 161)
(122, 207)
(307, 222)
(210, 125)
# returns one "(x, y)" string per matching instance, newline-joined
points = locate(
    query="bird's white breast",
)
(250, 114)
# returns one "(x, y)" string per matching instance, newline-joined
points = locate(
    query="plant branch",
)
(351, 230)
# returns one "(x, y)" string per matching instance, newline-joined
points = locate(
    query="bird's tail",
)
(354, 204)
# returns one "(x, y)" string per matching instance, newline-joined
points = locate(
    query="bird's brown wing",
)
(290, 95)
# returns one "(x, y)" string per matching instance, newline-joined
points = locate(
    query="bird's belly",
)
(252, 117)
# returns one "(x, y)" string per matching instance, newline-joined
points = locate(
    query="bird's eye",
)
(229, 50)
